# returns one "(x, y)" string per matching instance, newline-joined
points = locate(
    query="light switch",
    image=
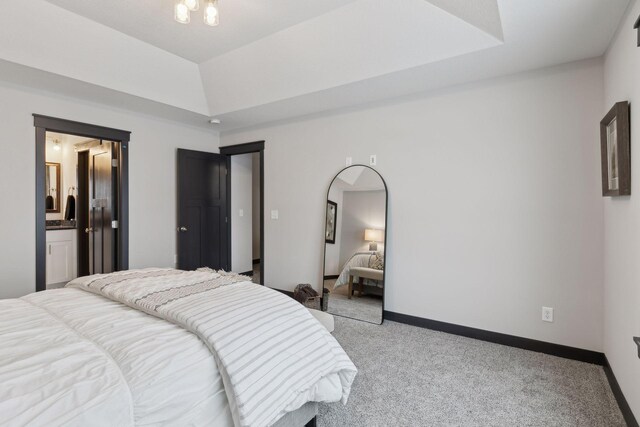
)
(241, 212)
(274, 214)
(372, 160)
(349, 161)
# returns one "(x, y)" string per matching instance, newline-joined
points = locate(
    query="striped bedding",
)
(272, 354)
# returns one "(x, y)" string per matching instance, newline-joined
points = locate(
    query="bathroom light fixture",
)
(183, 9)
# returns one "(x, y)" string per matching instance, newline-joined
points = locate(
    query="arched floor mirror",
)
(354, 251)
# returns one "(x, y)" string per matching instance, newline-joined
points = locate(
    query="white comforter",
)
(70, 357)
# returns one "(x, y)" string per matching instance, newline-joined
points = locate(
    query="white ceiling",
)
(65, 138)
(358, 178)
(277, 59)
(537, 34)
(364, 39)
(241, 22)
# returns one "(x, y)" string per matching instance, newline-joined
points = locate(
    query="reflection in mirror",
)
(354, 244)
(52, 186)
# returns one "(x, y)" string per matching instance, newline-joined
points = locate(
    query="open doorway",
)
(245, 214)
(81, 200)
(246, 208)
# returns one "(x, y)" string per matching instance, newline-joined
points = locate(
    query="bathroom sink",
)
(60, 225)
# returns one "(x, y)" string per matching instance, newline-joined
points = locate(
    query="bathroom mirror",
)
(52, 186)
(355, 235)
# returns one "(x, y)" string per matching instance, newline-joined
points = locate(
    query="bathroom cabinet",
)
(61, 256)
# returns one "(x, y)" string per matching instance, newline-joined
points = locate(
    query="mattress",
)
(71, 358)
(360, 259)
(84, 355)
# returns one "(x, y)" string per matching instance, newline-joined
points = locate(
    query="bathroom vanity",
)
(62, 253)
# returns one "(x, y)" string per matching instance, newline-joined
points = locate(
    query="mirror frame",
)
(386, 222)
(57, 199)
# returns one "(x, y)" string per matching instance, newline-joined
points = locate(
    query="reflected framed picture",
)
(332, 218)
(615, 150)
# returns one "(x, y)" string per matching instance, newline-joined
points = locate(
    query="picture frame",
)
(332, 222)
(615, 151)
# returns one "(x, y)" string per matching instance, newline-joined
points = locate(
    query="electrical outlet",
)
(372, 160)
(547, 314)
(349, 161)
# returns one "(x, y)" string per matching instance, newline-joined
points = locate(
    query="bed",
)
(165, 347)
(361, 260)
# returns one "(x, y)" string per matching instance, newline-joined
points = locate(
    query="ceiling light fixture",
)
(192, 5)
(182, 14)
(211, 15)
(183, 9)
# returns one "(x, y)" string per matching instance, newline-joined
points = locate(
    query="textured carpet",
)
(256, 273)
(366, 308)
(410, 376)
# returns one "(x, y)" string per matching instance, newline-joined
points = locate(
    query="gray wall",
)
(152, 179)
(361, 209)
(495, 205)
(241, 202)
(622, 221)
(332, 250)
(255, 211)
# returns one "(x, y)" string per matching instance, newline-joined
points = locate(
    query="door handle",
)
(182, 229)
(88, 230)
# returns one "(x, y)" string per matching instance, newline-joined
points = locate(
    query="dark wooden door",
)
(101, 233)
(82, 210)
(203, 199)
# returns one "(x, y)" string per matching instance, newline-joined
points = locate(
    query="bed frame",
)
(304, 416)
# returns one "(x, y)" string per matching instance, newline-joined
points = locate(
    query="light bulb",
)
(192, 5)
(182, 13)
(212, 11)
(211, 16)
(211, 20)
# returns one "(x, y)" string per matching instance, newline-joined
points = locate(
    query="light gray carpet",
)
(256, 273)
(410, 376)
(367, 308)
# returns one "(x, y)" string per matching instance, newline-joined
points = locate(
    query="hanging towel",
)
(49, 203)
(70, 210)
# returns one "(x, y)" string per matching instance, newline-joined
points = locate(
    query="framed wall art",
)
(332, 218)
(616, 151)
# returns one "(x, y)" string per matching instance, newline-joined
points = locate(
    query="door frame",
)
(247, 148)
(44, 124)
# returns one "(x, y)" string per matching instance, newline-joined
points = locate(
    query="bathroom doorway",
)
(81, 200)
(246, 208)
